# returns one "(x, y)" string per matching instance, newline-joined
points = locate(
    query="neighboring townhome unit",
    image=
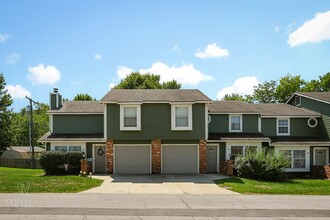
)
(318, 102)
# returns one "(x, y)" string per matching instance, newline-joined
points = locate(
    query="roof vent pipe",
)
(55, 90)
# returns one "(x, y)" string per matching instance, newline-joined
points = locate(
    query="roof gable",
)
(319, 96)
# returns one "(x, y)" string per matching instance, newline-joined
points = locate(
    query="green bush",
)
(53, 162)
(262, 165)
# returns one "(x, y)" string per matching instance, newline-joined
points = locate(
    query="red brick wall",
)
(109, 158)
(156, 155)
(202, 156)
(321, 171)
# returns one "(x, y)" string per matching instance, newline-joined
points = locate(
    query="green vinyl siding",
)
(320, 107)
(53, 101)
(268, 126)
(222, 151)
(220, 123)
(250, 123)
(298, 127)
(78, 124)
(155, 123)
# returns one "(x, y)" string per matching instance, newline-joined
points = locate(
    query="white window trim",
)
(282, 134)
(244, 144)
(241, 123)
(138, 118)
(67, 144)
(175, 128)
(307, 158)
(321, 148)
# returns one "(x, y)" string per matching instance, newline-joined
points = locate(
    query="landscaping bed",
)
(16, 180)
(291, 187)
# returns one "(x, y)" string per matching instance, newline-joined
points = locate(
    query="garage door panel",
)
(180, 159)
(132, 159)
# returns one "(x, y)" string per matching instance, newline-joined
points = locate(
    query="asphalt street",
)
(140, 206)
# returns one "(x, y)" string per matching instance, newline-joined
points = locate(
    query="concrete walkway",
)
(194, 184)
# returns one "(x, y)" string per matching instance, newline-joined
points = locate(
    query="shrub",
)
(262, 165)
(53, 162)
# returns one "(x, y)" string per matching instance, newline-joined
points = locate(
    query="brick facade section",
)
(109, 155)
(84, 166)
(202, 156)
(227, 167)
(156, 155)
(321, 171)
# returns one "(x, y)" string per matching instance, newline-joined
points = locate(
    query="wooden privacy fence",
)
(18, 163)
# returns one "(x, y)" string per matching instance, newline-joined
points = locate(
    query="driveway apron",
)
(195, 184)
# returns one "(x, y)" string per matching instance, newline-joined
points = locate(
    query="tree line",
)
(279, 91)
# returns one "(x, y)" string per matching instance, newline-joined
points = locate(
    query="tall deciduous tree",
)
(83, 97)
(137, 80)
(235, 97)
(5, 112)
(265, 92)
(287, 86)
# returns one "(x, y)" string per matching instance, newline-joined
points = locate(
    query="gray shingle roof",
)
(80, 107)
(324, 96)
(282, 109)
(232, 107)
(271, 109)
(155, 95)
(71, 137)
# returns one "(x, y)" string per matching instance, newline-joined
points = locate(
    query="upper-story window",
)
(283, 126)
(181, 117)
(130, 117)
(235, 123)
(297, 100)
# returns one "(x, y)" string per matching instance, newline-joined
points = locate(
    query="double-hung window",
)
(283, 126)
(181, 117)
(235, 123)
(298, 159)
(130, 117)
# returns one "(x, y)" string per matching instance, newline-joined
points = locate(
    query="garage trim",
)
(131, 145)
(197, 145)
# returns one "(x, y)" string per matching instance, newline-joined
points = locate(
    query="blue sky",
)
(216, 46)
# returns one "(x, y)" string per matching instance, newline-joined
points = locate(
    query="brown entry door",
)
(99, 158)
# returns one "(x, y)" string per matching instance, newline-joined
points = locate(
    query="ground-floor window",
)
(68, 148)
(235, 149)
(298, 157)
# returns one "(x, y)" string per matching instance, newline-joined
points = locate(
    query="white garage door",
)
(179, 158)
(132, 159)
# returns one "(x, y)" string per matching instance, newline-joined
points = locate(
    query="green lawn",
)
(15, 180)
(292, 187)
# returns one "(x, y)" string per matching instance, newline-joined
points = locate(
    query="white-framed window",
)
(75, 148)
(181, 117)
(130, 117)
(235, 149)
(235, 123)
(298, 157)
(283, 126)
(61, 148)
(297, 100)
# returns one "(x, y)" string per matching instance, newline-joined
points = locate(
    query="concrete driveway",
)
(197, 184)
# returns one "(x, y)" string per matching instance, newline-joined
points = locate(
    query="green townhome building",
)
(184, 131)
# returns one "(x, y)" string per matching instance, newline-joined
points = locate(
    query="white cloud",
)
(185, 74)
(98, 56)
(312, 31)
(44, 75)
(212, 51)
(277, 28)
(176, 48)
(123, 71)
(12, 58)
(17, 92)
(111, 86)
(4, 37)
(242, 86)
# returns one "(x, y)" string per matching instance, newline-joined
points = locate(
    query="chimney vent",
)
(55, 90)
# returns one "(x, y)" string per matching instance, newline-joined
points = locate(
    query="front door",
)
(212, 159)
(320, 156)
(99, 158)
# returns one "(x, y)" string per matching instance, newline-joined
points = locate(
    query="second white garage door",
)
(132, 159)
(179, 158)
